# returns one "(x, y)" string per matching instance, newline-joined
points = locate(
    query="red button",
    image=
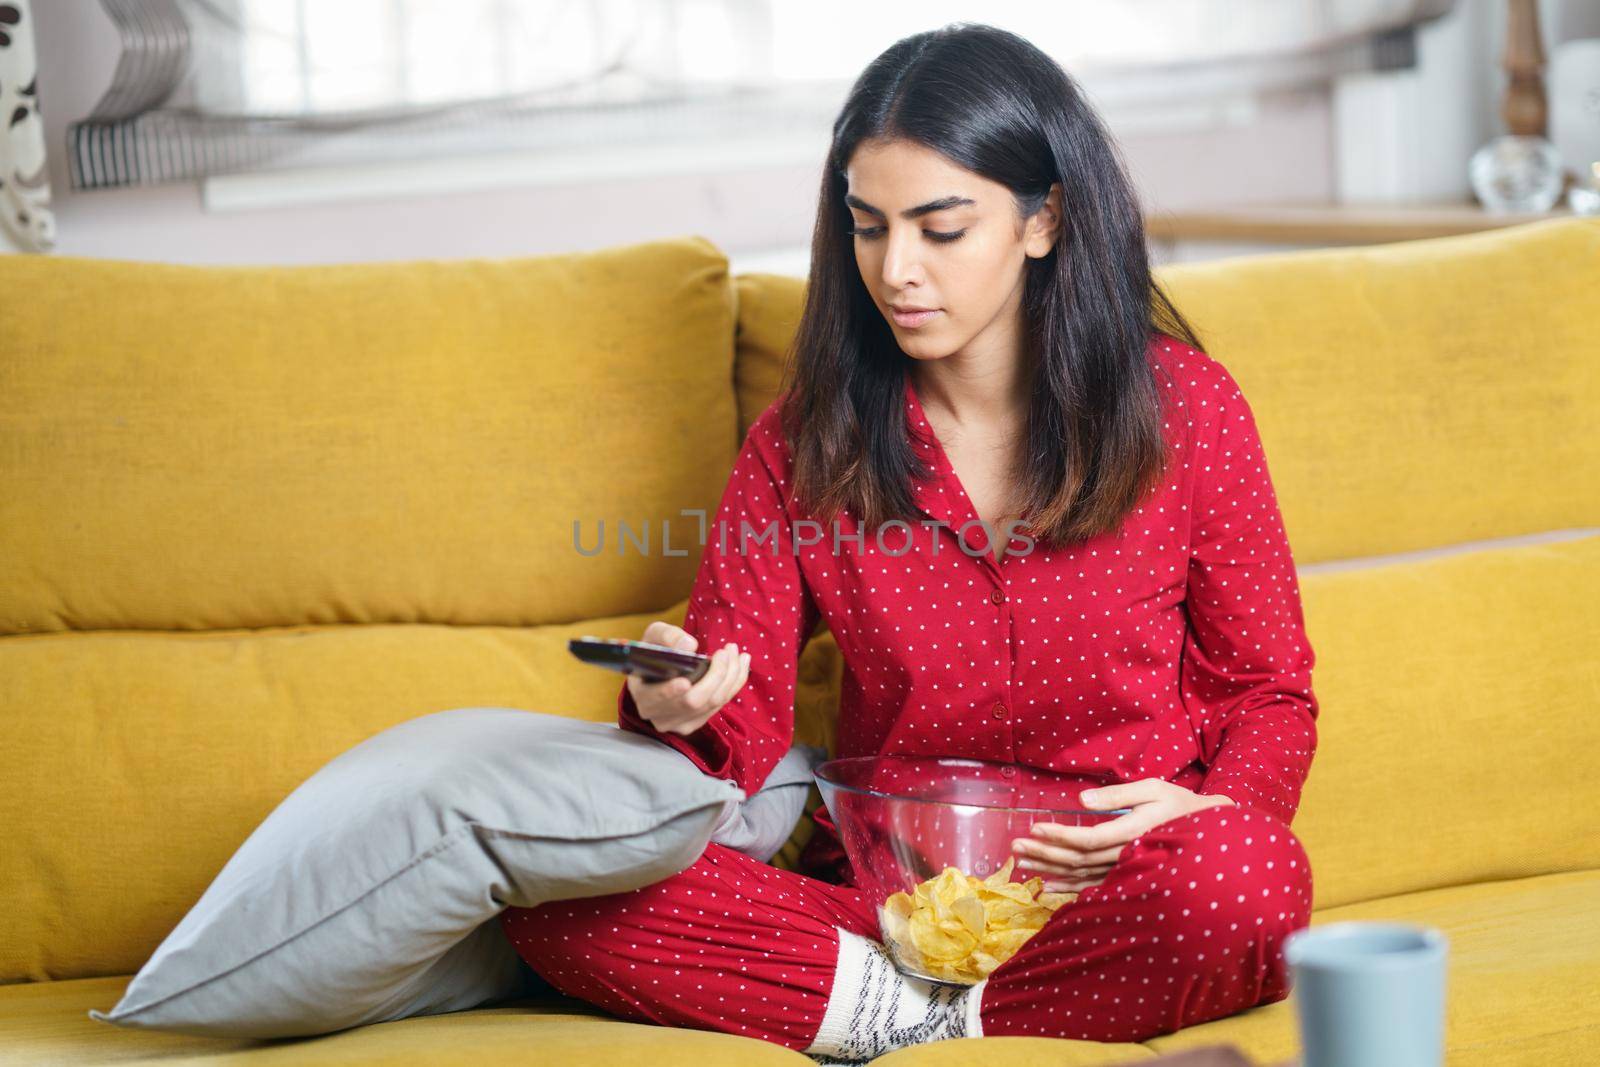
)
(1009, 772)
(997, 596)
(999, 711)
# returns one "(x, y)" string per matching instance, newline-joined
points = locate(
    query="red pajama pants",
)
(1185, 928)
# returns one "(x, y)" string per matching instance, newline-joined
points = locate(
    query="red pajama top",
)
(1172, 648)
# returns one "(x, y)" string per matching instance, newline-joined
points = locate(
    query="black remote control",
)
(653, 663)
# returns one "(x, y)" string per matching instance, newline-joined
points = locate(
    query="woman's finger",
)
(698, 698)
(661, 632)
(1032, 848)
(734, 680)
(652, 696)
(1068, 885)
(683, 711)
(1058, 870)
(1082, 874)
(1112, 835)
(731, 680)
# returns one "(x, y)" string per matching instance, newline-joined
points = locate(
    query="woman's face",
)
(964, 257)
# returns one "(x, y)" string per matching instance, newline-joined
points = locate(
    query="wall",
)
(762, 217)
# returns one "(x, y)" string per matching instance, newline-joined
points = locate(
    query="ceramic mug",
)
(1368, 994)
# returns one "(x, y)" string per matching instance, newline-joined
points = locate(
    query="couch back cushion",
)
(194, 448)
(1416, 394)
(1458, 717)
(769, 313)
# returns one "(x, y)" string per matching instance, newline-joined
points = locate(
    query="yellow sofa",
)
(251, 516)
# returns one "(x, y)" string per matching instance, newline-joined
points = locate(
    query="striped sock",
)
(873, 1008)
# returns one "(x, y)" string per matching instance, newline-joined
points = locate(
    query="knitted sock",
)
(873, 1008)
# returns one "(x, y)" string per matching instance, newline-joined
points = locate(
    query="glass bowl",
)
(929, 838)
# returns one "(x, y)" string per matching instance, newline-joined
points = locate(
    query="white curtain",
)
(213, 86)
(25, 216)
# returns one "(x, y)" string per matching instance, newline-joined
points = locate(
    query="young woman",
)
(1134, 615)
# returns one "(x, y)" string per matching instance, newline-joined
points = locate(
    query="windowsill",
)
(499, 170)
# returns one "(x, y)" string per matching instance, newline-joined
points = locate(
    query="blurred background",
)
(299, 131)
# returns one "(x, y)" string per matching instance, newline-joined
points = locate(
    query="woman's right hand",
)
(677, 706)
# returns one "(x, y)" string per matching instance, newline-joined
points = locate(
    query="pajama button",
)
(999, 711)
(997, 597)
(1009, 772)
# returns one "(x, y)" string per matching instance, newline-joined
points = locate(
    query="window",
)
(273, 84)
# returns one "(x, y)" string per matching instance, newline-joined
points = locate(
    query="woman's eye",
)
(875, 231)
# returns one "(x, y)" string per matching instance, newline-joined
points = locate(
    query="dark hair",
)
(993, 103)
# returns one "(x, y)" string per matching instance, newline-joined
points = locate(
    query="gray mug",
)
(1368, 994)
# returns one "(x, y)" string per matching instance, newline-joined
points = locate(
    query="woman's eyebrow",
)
(911, 212)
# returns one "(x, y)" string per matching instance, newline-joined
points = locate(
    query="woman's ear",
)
(1047, 226)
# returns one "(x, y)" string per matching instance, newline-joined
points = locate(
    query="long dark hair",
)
(993, 103)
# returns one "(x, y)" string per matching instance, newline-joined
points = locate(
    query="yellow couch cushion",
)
(214, 447)
(1408, 395)
(1458, 721)
(45, 1024)
(769, 311)
(1523, 965)
(1416, 394)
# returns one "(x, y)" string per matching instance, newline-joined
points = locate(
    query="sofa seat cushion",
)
(44, 1023)
(1524, 962)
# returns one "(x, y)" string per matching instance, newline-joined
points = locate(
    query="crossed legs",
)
(1187, 927)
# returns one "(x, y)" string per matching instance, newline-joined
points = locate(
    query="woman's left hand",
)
(1073, 858)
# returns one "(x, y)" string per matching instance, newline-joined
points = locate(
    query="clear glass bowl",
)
(905, 820)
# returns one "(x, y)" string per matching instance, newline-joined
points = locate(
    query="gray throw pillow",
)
(483, 967)
(759, 826)
(371, 893)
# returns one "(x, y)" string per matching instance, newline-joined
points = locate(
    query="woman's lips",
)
(912, 319)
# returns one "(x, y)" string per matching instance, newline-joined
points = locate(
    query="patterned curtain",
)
(24, 182)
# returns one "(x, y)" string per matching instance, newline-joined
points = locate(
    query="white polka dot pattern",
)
(1173, 648)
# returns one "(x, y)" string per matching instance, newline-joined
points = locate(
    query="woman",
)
(1144, 622)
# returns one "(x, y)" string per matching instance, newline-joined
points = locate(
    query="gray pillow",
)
(483, 967)
(371, 893)
(759, 826)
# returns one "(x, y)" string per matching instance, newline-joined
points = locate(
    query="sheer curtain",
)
(25, 216)
(222, 86)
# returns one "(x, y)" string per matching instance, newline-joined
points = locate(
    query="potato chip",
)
(943, 941)
(970, 911)
(959, 928)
